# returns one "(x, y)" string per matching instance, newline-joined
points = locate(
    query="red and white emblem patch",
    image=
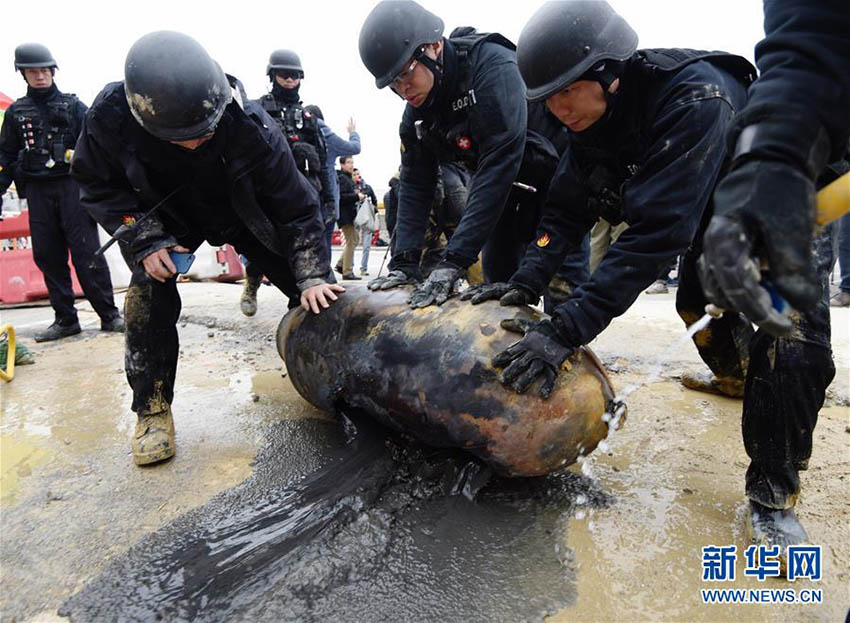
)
(463, 142)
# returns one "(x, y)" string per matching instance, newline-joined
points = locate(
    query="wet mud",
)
(386, 529)
(616, 538)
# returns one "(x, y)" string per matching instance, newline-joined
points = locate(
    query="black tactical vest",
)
(47, 134)
(445, 131)
(302, 131)
(615, 159)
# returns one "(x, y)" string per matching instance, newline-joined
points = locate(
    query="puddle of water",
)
(19, 456)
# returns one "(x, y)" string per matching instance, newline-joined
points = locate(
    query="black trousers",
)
(151, 311)
(58, 224)
(785, 378)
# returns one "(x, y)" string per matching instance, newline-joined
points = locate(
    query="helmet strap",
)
(605, 73)
(436, 68)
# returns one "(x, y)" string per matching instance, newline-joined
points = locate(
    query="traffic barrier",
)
(21, 280)
(216, 263)
(336, 238)
(231, 265)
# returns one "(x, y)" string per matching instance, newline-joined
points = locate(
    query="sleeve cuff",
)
(310, 283)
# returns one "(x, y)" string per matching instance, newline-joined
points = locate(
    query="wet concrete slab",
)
(620, 533)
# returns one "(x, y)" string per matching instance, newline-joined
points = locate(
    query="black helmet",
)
(392, 34)
(564, 40)
(28, 55)
(284, 59)
(174, 89)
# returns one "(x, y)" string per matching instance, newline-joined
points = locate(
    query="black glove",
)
(765, 209)
(540, 352)
(507, 293)
(394, 279)
(328, 212)
(438, 287)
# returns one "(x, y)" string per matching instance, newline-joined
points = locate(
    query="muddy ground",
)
(624, 530)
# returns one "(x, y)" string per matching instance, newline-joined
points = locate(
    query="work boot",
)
(57, 331)
(351, 277)
(154, 438)
(659, 287)
(770, 527)
(842, 299)
(248, 302)
(728, 386)
(113, 325)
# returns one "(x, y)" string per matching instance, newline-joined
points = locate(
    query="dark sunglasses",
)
(288, 74)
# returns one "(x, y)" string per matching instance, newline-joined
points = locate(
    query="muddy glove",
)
(765, 211)
(507, 293)
(404, 270)
(540, 353)
(438, 287)
(394, 279)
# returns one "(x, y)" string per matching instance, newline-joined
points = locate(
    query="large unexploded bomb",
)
(427, 373)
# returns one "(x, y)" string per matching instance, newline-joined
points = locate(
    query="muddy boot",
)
(57, 331)
(248, 302)
(707, 382)
(770, 527)
(351, 277)
(154, 438)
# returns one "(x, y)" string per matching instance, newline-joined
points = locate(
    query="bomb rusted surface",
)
(427, 373)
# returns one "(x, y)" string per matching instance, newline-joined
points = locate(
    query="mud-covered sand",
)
(72, 503)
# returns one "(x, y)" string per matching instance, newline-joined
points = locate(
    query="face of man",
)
(39, 77)
(288, 79)
(193, 143)
(347, 165)
(581, 104)
(415, 81)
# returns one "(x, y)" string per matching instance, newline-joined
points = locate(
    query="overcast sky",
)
(90, 39)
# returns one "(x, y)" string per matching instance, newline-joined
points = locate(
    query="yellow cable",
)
(9, 373)
(834, 200)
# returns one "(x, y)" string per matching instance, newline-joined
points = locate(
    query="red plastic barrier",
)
(20, 279)
(336, 238)
(231, 266)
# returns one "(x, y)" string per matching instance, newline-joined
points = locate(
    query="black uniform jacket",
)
(347, 198)
(262, 187)
(478, 119)
(652, 162)
(804, 61)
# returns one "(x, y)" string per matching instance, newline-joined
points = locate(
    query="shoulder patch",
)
(543, 240)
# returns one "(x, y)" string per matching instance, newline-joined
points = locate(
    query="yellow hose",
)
(834, 200)
(9, 373)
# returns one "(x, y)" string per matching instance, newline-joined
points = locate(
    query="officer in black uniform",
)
(301, 129)
(648, 146)
(36, 144)
(465, 105)
(215, 169)
(796, 120)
